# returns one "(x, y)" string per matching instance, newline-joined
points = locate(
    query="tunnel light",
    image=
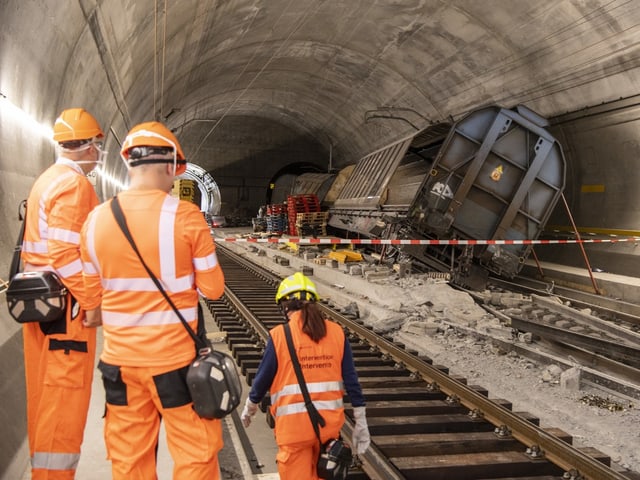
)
(110, 179)
(23, 119)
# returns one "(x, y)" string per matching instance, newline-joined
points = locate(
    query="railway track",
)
(585, 333)
(614, 310)
(424, 422)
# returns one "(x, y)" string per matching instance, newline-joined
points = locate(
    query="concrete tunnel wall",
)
(14, 187)
(305, 74)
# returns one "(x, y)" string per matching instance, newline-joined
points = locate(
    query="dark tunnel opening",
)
(282, 181)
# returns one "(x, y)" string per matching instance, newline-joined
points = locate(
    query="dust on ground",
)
(432, 309)
(422, 313)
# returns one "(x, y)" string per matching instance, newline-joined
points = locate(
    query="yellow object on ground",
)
(344, 256)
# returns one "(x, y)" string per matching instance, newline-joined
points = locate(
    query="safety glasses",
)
(97, 143)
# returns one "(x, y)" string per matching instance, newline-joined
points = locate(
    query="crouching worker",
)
(147, 349)
(327, 365)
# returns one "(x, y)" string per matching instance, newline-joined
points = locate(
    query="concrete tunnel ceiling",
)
(253, 86)
(315, 68)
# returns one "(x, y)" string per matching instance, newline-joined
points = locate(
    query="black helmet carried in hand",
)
(334, 461)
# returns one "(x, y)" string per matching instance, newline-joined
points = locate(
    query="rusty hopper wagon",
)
(496, 174)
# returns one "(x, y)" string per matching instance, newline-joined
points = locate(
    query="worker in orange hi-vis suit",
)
(326, 363)
(147, 349)
(60, 356)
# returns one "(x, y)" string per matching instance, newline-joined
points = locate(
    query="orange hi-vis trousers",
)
(298, 461)
(59, 371)
(138, 398)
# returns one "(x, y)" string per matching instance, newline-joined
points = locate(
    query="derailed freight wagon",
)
(496, 174)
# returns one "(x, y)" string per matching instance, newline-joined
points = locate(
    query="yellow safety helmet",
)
(76, 124)
(297, 286)
(150, 139)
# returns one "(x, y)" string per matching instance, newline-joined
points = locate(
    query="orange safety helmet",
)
(75, 124)
(142, 139)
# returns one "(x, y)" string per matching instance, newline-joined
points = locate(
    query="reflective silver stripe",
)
(70, 269)
(55, 461)
(130, 285)
(146, 284)
(35, 247)
(166, 245)
(166, 241)
(205, 263)
(169, 317)
(30, 267)
(64, 272)
(68, 236)
(287, 290)
(43, 220)
(316, 387)
(295, 408)
(90, 240)
(88, 268)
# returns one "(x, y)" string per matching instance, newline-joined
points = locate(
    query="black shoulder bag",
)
(335, 455)
(212, 378)
(37, 296)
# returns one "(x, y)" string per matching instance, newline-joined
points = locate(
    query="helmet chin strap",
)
(95, 163)
(85, 162)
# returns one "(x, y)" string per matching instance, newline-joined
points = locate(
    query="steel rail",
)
(603, 371)
(626, 311)
(535, 439)
(374, 463)
(257, 325)
(590, 321)
(555, 450)
(613, 349)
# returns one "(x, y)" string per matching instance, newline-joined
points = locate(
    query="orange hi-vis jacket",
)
(321, 365)
(58, 356)
(140, 327)
(58, 205)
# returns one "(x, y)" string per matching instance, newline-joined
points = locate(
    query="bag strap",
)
(315, 416)
(122, 223)
(15, 261)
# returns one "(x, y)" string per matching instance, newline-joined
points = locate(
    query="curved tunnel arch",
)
(210, 199)
(556, 57)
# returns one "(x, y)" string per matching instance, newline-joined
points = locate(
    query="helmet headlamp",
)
(136, 153)
(152, 142)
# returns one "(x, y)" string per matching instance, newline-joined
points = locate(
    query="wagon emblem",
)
(496, 175)
(442, 190)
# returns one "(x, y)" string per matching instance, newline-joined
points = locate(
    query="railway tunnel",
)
(252, 87)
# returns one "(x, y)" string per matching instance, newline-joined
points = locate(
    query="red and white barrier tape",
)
(372, 241)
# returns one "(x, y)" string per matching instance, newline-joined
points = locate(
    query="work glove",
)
(248, 412)
(361, 438)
